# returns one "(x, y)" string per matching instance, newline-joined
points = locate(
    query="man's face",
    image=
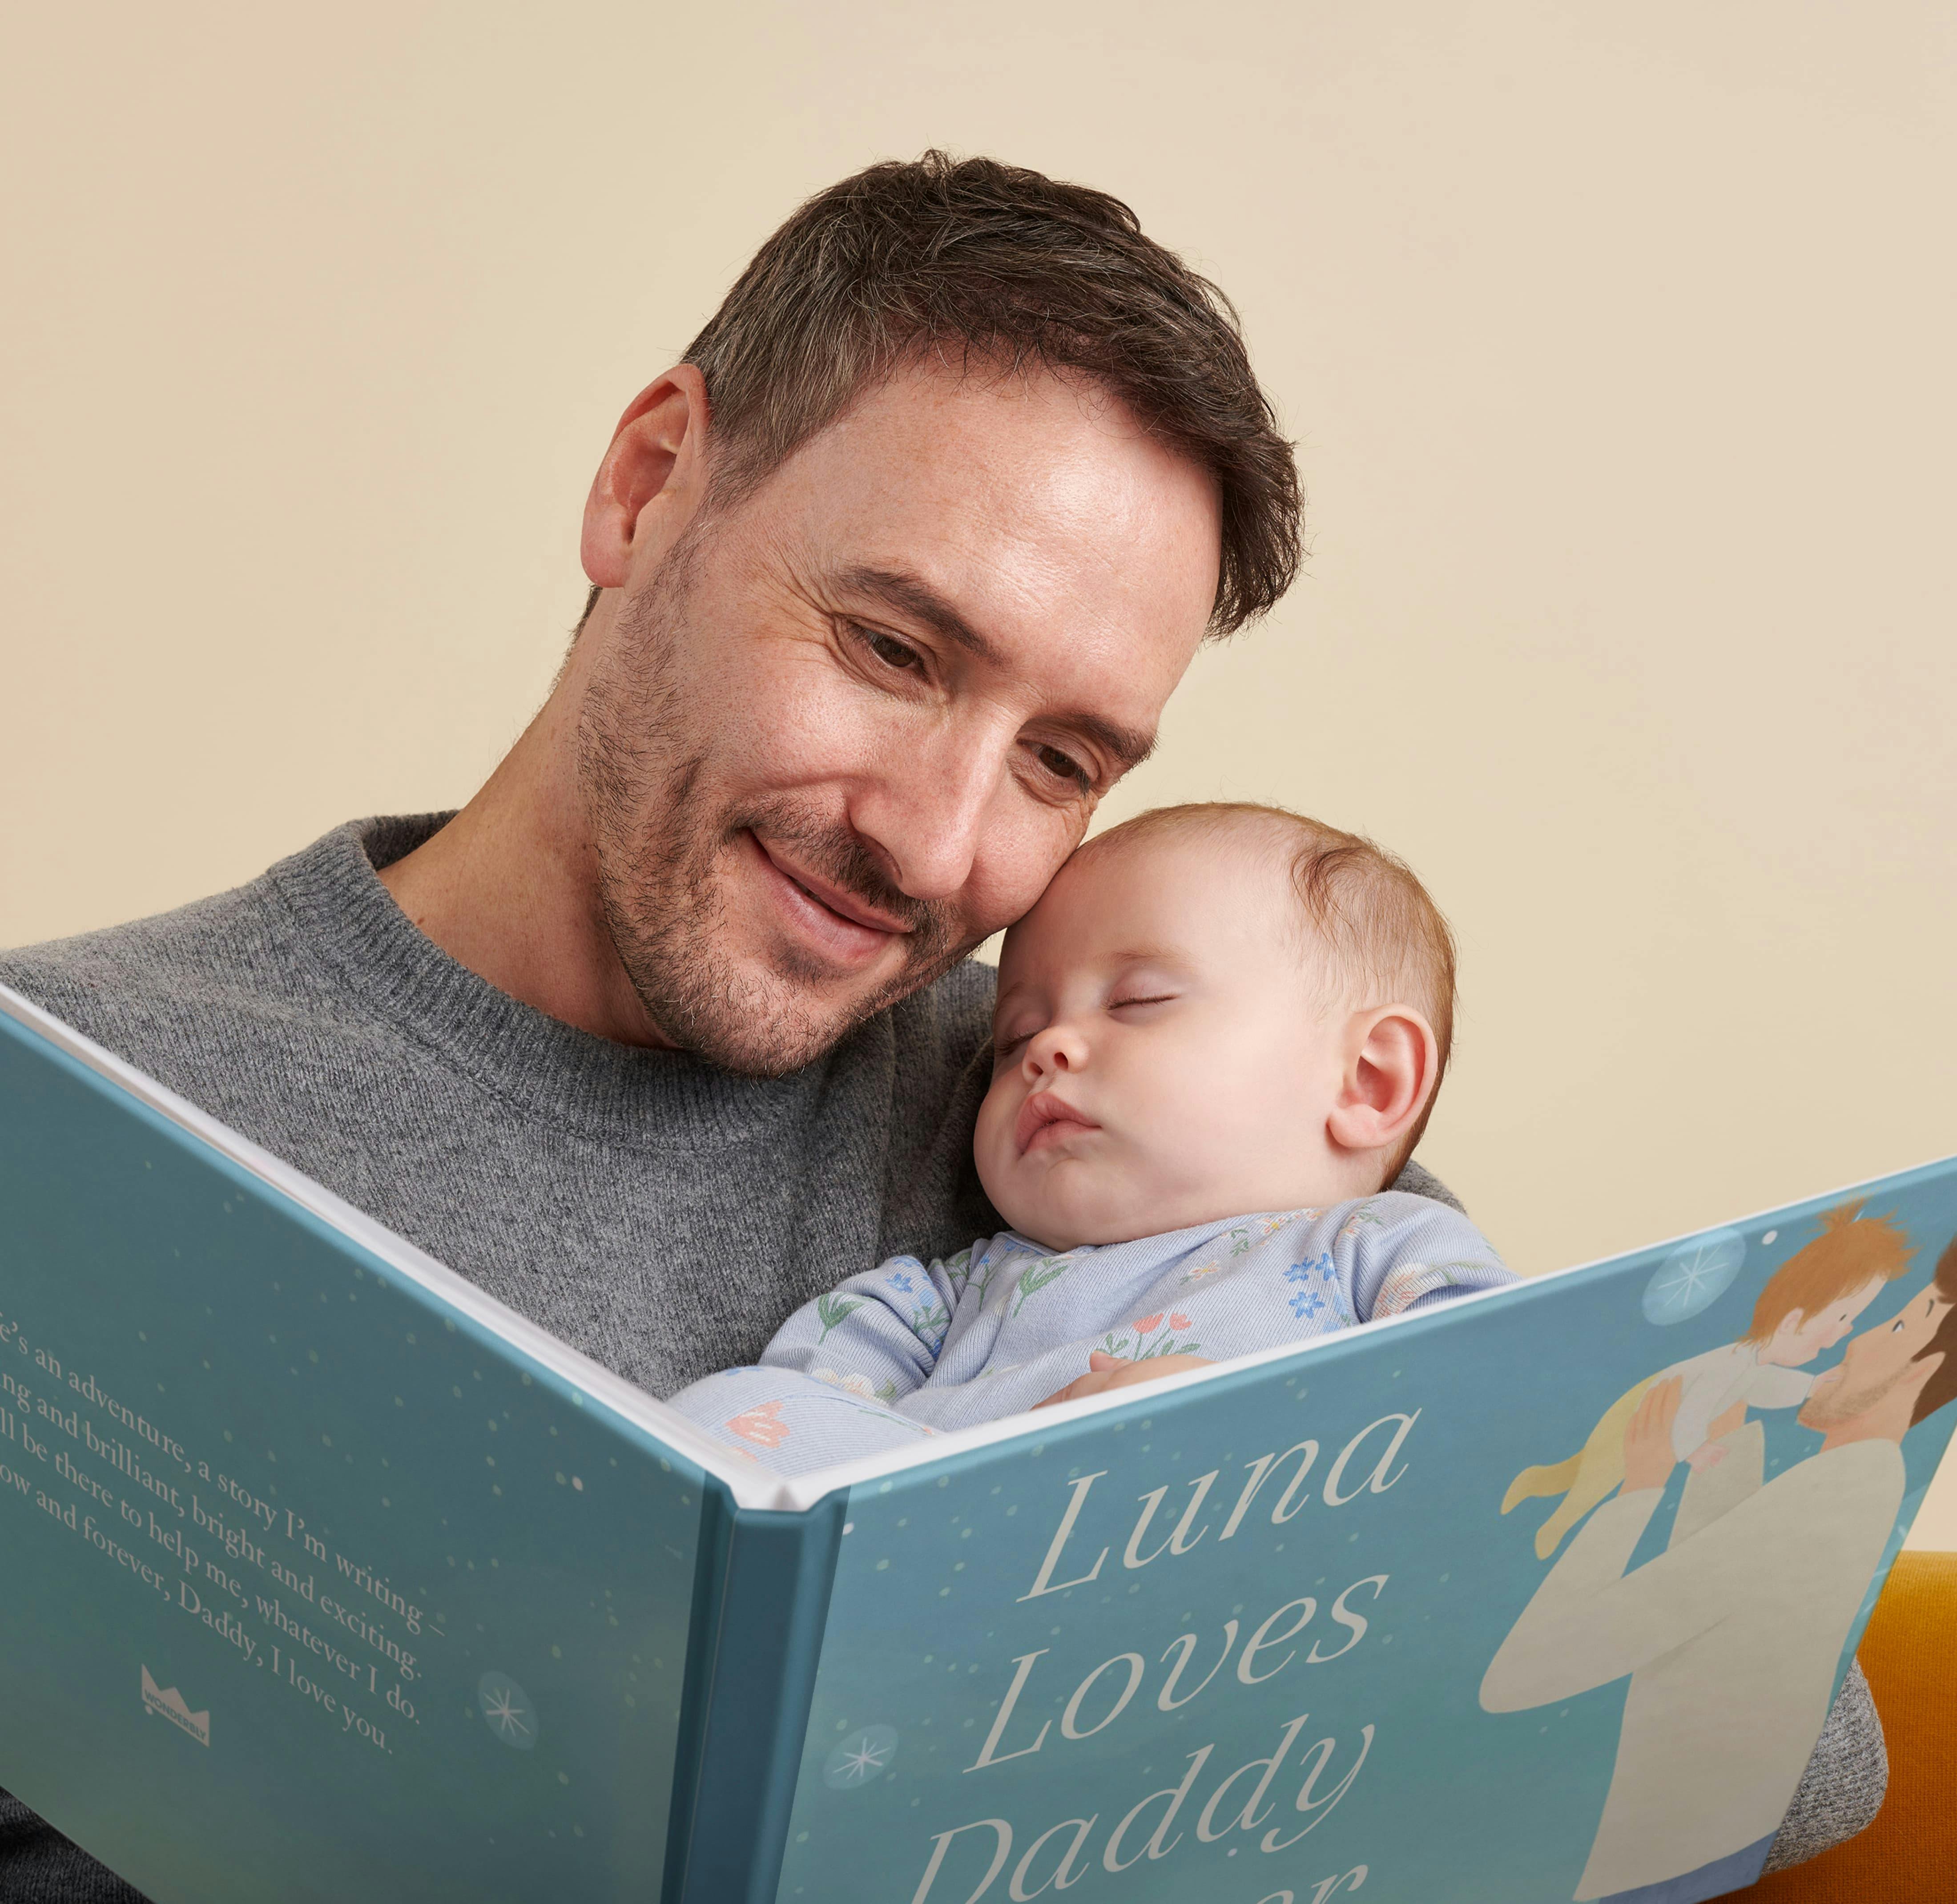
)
(1875, 1363)
(848, 727)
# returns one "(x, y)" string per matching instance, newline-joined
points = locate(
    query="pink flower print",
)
(762, 1425)
(1147, 1324)
(1178, 1321)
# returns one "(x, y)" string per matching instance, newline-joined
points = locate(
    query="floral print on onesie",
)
(910, 1348)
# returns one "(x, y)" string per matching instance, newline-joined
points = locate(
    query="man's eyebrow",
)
(1129, 745)
(911, 595)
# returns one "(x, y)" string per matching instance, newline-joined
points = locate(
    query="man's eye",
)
(890, 651)
(1064, 766)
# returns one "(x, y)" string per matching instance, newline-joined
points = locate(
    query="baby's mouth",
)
(1045, 1119)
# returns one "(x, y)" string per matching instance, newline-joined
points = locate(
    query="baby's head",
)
(1811, 1301)
(1211, 1011)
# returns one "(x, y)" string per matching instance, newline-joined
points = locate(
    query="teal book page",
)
(317, 1585)
(1464, 1606)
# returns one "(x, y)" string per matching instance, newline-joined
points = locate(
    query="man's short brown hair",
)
(1942, 1386)
(992, 265)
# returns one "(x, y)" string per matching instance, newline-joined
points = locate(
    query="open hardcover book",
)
(326, 1577)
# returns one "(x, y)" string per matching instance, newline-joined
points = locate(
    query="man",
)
(670, 1026)
(1731, 1637)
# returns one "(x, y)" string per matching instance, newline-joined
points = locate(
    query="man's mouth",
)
(848, 931)
(1045, 1119)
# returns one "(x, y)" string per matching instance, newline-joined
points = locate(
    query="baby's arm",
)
(1397, 1252)
(824, 1391)
(1773, 1386)
(881, 1332)
(1768, 1386)
(1389, 1255)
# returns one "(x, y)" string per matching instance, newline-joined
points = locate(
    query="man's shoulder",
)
(1416, 1180)
(961, 998)
(155, 988)
(941, 1040)
(112, 984)
(944, 1026)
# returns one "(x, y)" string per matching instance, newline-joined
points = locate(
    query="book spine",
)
(761, 1604)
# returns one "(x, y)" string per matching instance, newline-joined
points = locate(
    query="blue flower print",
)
(1315, 1292)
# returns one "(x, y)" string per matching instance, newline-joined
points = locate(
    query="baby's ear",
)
(1392, 1060)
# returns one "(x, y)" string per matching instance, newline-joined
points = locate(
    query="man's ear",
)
(1392, 1061)
(652, 479)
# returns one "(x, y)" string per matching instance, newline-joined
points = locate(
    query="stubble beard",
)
(660, 848)
(1844, 1401)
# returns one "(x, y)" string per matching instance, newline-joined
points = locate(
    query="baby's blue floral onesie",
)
(909, 1349)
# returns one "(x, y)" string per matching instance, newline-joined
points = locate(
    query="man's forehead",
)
(1019, 499)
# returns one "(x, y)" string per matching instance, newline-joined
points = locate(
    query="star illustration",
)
(1694, 1273)
(866, 1759)
(503, 1712)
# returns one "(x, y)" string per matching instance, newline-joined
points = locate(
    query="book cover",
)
(327, 1575)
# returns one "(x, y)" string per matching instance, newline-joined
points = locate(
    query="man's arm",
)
(1590, 1622)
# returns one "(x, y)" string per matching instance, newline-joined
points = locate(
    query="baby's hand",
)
(1708, 1454)
(1104, 1372)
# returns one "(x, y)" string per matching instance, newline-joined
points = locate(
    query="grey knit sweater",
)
(659, 1214)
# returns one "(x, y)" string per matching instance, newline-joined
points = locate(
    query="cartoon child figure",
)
(1809, 1304)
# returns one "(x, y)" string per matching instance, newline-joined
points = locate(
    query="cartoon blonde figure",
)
(1810, 1303)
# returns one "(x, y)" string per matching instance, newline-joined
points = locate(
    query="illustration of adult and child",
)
(1732, 1637)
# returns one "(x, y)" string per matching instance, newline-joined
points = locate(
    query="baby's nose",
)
(1055, 1049)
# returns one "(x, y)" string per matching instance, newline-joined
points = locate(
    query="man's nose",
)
(927, 816)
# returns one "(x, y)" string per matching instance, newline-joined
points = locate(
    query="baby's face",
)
(1799, 1339)
(1161, 1059)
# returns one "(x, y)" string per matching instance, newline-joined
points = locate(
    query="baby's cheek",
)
(991, 1148)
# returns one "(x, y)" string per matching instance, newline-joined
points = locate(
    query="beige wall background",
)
(1616, 342)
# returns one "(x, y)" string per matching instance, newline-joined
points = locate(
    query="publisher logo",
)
(170, 1703)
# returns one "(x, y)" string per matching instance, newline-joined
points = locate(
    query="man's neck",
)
(1887, 1421)
(509, 887)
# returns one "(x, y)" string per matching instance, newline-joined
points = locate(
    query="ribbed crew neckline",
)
(349, 924)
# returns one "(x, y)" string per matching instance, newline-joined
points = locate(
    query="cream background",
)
(1616, 342)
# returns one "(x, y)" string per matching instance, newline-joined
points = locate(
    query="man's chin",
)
(759, 1022)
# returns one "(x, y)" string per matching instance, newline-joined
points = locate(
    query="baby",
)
(1218, 1037)
(1809, 1304)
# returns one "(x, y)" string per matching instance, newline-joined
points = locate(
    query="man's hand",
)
(1104, 1372)
(1649, 1459)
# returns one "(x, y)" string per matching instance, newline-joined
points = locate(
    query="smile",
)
(847, 932)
